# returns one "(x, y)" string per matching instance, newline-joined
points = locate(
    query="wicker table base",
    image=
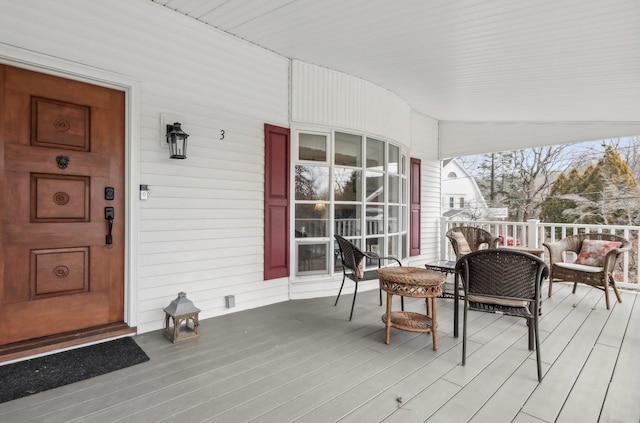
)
(416, 283)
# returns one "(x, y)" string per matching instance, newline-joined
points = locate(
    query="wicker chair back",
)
(474, 236)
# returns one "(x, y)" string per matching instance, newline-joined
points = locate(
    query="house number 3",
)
(222, 134)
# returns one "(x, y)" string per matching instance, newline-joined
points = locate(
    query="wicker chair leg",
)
(612, 282)
(464, 335)
(606, 296)
(575, 285)
(550, 285)
(537, 336)
(353, 303)
(532, 310)
(340, 292)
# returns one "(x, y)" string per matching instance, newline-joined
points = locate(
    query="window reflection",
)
(312, 147)
(375, 187)
(375, 154)
(393, 245)
(394, 219)
(375, 245)
(394, 156)
(394, 189)
(311, 220)
(346, 184)
(375, 219)
(340, 184)
(312, 182)
(312, 258)
(347, 219)
(348, 149)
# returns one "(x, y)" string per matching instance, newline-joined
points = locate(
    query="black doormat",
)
(28, 377)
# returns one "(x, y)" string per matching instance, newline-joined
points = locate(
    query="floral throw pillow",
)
(463, 245)
(592, 252)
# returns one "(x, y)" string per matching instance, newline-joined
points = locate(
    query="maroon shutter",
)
(276, 202)
(414, 210)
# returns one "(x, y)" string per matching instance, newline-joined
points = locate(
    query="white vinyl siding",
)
(329, 98)
(424, 146)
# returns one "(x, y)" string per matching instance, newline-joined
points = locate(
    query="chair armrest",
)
(375, 256)
(556, 249)
(611, 258)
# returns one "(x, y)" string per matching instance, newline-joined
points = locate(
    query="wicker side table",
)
(412, 282)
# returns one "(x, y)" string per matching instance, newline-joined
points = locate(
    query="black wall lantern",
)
(177, 140)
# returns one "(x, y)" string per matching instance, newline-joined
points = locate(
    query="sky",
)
(575, 155)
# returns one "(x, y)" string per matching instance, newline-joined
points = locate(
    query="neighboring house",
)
(461, 196)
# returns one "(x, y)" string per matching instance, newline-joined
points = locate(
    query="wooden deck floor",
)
(303, 361)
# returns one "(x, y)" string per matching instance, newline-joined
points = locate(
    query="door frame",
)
(42, 63)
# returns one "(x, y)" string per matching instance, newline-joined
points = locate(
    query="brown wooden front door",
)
(61, 152)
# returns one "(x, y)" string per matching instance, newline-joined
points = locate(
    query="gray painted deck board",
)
(303, 361)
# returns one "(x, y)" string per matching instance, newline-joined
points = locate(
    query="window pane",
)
(375, 187)
(311, 220)
(312, 147)
(394, 219)
(393, 246)
(347, 219)
(312, 182)
(348, 149)
(404, 246)
(347, 184)
(375, 154)
(403, 218)
(404, 191)
(312, 258)
(394, 189)
(375, 219)
(394, 156)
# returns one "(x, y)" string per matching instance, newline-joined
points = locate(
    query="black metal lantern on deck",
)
(177, 140)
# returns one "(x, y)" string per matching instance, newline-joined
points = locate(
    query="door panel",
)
(61, 144)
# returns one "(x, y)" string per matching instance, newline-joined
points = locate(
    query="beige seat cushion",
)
(580, 267)
(498, 301)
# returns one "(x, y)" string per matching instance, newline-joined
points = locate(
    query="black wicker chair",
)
(351, 256)
(506, 282)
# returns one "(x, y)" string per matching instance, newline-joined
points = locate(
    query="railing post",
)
(532, 233)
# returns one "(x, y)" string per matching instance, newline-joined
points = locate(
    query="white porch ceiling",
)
(459, 60)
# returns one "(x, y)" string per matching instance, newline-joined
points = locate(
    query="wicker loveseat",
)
(593, 267)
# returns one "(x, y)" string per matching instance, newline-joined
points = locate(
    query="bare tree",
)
(519, 179)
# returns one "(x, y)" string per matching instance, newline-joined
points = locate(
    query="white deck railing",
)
(533, 233)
